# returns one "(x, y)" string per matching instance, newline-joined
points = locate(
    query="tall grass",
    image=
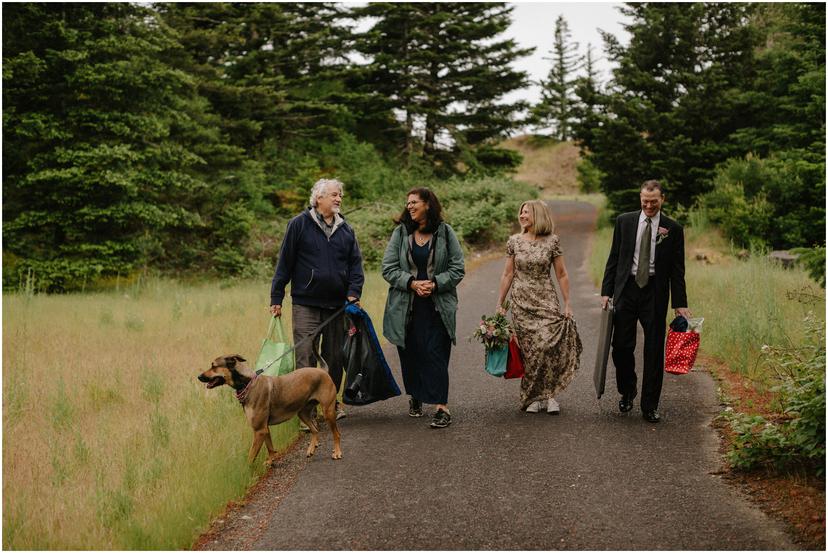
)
(109, 441)
(746, 303)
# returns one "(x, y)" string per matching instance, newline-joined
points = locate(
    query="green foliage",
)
(813, 259)
(426, 59)
(702, 84)
(796, 438)
(558, 89)
(483, 211)
(671, 106)
(488, 160)
(776, 202)
(111, 153)
(589, 176)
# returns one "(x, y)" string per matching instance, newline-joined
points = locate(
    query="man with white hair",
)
(321, 259)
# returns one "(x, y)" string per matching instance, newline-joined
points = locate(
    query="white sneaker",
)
(534, 407)
(552, 407)
(340, 412)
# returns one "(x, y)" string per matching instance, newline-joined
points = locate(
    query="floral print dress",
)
(548, 340)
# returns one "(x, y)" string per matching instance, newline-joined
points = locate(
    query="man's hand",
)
(604, 302)
(276, 310)
(684, 312)
(355, 301)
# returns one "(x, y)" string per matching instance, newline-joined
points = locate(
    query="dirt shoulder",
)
(797, 500)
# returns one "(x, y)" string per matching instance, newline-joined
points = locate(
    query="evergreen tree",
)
(279, 76)
(106, 147)
(782, 181)
(556, 108)
(673, 103)
(441, 66)
(585, 111)
(272, 70)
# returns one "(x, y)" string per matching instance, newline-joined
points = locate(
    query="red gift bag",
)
(514, 364)
(680, 352)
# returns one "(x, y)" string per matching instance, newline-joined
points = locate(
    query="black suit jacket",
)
(669, 262)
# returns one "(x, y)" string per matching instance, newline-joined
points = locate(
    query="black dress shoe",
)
(626, 403)
(651, 416)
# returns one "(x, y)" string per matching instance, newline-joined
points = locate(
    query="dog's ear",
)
(231, 360)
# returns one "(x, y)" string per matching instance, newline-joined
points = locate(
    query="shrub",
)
(778, 201)
(813, 259)
(589, 176)
(796, 437)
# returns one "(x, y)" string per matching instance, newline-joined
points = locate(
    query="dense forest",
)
(179, 137)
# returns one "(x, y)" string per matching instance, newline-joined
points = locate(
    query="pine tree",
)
(441, 66)
(557, 92)
(106, 146)
(585, 111)
(673, 101)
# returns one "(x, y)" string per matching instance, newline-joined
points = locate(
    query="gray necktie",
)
(642, 275)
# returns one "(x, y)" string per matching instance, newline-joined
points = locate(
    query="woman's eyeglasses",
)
(410, 204)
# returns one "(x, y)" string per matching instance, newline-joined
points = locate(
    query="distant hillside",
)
(547, 164)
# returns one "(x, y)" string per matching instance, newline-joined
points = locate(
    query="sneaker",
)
(340, 411)
(552, 407)
(441, 419)
(303, 427)
(415, 407)
(534, 407)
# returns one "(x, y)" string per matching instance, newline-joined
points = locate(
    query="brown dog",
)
(274, 399)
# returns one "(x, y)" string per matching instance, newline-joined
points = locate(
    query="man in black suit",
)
(645, 266)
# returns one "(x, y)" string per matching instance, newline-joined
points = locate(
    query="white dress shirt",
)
(642, 224)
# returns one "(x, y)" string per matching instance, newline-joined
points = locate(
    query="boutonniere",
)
(662, 234)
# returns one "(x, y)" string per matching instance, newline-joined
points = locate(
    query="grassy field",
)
(109, 441)
(745, 303)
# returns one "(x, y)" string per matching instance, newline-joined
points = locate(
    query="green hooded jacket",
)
(445, 268)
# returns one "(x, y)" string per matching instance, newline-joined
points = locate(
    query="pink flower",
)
(662, 234)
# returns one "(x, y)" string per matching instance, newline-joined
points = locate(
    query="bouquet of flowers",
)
(493, 332)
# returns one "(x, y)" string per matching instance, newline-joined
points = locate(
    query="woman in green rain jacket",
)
(423, 264)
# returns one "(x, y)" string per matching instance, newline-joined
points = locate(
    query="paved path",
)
(498, 478)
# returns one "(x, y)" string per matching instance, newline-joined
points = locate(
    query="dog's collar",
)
(242, 395)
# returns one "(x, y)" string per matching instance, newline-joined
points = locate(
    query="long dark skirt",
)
(425, 358)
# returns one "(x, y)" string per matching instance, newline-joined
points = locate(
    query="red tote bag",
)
(514, 363)
(680, 352)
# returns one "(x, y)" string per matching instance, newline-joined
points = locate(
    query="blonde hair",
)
(542, 222)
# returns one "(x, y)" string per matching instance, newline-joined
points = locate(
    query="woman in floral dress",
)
(546, 333)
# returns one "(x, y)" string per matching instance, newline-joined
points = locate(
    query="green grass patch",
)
(109, 441)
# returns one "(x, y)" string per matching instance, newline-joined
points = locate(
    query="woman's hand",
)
(567, 311)
(500, 310)
(423, 288)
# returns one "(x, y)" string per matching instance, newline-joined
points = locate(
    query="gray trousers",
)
(306, 320)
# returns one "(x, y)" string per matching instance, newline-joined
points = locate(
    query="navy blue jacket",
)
(322, 271)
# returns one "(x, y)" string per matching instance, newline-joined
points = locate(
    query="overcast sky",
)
(533, 24)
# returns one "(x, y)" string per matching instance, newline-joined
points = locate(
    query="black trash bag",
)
(368, 377)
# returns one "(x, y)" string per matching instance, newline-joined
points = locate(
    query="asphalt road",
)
(498, 478)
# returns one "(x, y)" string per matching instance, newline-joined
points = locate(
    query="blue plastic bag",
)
(496, 361)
